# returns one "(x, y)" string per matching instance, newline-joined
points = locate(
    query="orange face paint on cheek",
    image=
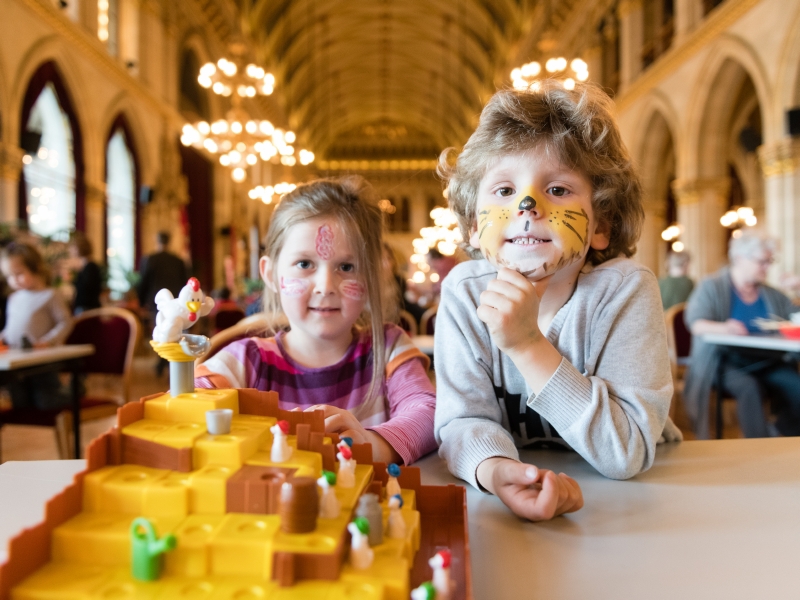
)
(492, 223)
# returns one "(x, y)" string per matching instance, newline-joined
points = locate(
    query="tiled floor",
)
(38, 443)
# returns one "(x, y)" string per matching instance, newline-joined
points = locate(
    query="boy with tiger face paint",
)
(557, 337)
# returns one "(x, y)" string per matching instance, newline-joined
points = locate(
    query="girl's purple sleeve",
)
(412, 403)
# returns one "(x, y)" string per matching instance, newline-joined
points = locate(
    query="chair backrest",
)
(679, 338)
(408, 323)
(427, 324)
(114, 332)
(253, 325)
(227, 317)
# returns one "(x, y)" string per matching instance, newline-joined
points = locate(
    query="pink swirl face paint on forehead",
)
(324, 242)
(352, 289)
(293, 287)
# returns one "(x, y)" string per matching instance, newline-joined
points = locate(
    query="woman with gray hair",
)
(728, 302)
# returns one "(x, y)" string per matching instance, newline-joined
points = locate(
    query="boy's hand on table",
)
(342, 421)
(510, 308)
(531, 493)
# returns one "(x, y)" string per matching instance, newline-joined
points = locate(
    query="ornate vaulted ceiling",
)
(384, 79)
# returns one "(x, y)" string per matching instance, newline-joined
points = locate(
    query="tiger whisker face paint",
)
(534, 215)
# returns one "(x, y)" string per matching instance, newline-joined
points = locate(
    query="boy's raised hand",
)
(531, 493)
(510, 308)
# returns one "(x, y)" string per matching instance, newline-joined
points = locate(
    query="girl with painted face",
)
(329, 347)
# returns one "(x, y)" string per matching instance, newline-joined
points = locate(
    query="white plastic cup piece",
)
(218, 421)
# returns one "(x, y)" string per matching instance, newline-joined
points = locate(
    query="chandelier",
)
(444, 236)
(671, 235)
(737, 218)
(267, 193)
(239, 140)
(226, 76)
(526, 76)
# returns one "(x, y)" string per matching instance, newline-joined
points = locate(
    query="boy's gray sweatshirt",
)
(608, 400)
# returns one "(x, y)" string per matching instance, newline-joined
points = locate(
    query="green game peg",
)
(146, 549)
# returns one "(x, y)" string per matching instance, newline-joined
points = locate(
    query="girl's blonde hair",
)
(579, 128)
(354, 204)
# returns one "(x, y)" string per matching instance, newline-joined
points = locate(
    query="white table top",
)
(18, 359)
(423, 343)
(25, 487)
(711, 519)
(765, 342)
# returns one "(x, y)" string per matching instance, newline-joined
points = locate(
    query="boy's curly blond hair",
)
(579, 127)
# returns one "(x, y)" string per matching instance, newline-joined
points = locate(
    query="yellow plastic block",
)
(123, 586)
(392, 572)
(191, 407)
(191, 556)
(308, 464)
(101, 538)
(348, 497)
(167, 497)
(146, 429)
(242, 545)
(207, 490)
(323, 540)
(119, 489)
(67, 581)
(230, 450)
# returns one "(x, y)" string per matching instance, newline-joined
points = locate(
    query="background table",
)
(761, 342)
(19, 364)
(711, 519)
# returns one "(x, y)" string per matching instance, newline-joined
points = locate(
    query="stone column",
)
(593, 55)
(780, 164)
(701, 203)
(10, 170)
(631, 18)
(95, 203)
(688, 13)
(650, 249)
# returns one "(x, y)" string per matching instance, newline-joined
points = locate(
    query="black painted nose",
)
(527, 203)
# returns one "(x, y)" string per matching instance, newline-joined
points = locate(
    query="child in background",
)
(556, 339)
(36, 316)
(676, 287)
(322, 274)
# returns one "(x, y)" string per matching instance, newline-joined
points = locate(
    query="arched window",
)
(120, 213)
(49, 168)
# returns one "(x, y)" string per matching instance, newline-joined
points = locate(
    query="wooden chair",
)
(408, 323)
(114, 332)
(427, 324)
(253, 325)
(226, 318)
(679, 345)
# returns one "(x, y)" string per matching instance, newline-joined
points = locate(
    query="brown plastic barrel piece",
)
(299, 505)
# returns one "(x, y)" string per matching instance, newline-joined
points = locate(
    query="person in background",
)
(38, 317)
(158, 271)
(89, 280)
(396, 286)
(676, 286)
(728, 302)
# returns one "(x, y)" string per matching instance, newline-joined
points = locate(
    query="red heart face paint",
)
(324, 242)
(293, 287)
(352, 289)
